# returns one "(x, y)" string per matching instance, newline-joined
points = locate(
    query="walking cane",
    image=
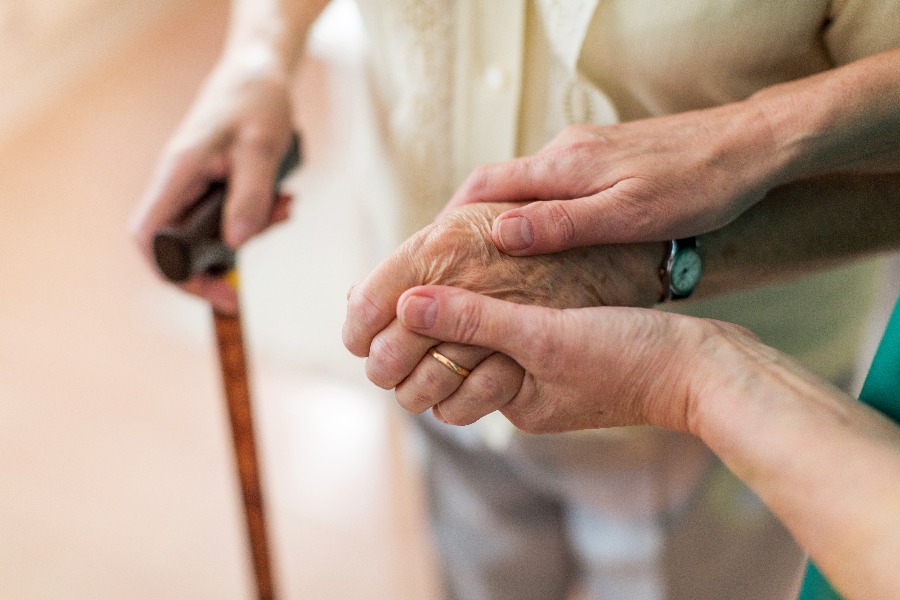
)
(191, 246)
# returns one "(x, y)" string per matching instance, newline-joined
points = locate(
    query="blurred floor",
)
(115, 465)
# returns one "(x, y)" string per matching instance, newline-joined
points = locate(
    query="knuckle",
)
(486, 385)
(413, 400)
(256, 140)
(384, 363)
(578, 131)
(560, 221)
(570, 134)
(453, 416)
(478, 182)
(526, 168)
(362, 309)
(468, 323)
(423, 390)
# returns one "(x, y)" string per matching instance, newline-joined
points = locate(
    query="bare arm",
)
(845, 120)
(827, 465)
(236, 130)
(695, 172)
(835, 165)
(272, 29)
(801, 228)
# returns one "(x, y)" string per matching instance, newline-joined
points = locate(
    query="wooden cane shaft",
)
(237, 392)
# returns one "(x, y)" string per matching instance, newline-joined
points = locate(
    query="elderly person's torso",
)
(458, 84)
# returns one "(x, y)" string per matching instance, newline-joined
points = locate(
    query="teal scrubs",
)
(881, 391)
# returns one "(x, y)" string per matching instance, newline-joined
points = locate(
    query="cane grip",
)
(193, 244)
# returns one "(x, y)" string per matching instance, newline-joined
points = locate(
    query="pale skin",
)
(827, 465)
(240, 125)
(694, 172)
(809, 166)
(237, 130)
(772, 423)
(465, 256)
(457, 250)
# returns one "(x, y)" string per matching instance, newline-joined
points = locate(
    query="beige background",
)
(115, 466)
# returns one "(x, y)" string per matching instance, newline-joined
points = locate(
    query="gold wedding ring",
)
(458, 369)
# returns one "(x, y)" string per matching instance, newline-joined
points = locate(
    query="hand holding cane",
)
(192, 246)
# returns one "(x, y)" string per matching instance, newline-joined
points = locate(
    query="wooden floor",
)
(116, 473)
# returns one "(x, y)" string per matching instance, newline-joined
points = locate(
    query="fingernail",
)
(515, 233)
(419, 312)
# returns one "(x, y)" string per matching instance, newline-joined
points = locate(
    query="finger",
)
(372, 303)
(394, 353)
(612, 216)
(254, 159)
(178, 182)
(525, 178)
(525, 333)
(281, 210)
(491, 385)
(180, 179)
(432, 382)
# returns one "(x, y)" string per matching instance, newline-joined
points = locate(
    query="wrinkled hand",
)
(236, 131)
(457, 251)
(653, 179)
(584, 368)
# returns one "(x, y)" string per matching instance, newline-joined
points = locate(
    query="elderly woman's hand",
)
(457, 251)
(237, 131)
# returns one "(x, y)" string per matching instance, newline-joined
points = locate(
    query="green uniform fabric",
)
(882, 392)
(882, 387)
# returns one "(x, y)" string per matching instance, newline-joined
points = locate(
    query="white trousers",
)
(643, 514)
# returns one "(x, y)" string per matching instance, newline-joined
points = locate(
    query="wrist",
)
(843, 119)
(749, 146)
(268, 36)
(721, 406)
(256, 55)
(789, 119)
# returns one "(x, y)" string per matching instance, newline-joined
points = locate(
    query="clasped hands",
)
(601, 191)
(389, 316)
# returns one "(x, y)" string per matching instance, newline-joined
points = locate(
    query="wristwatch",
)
(681, 269)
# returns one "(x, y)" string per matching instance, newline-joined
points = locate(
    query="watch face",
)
(687, 267)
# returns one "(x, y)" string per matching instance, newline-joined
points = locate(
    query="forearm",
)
(827, 466)
(803, 227)
(832, 155)
(270, 34)
(845, 120)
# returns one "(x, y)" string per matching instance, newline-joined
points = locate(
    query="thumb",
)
(455, 315)
(612, 216)
(248, 206)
